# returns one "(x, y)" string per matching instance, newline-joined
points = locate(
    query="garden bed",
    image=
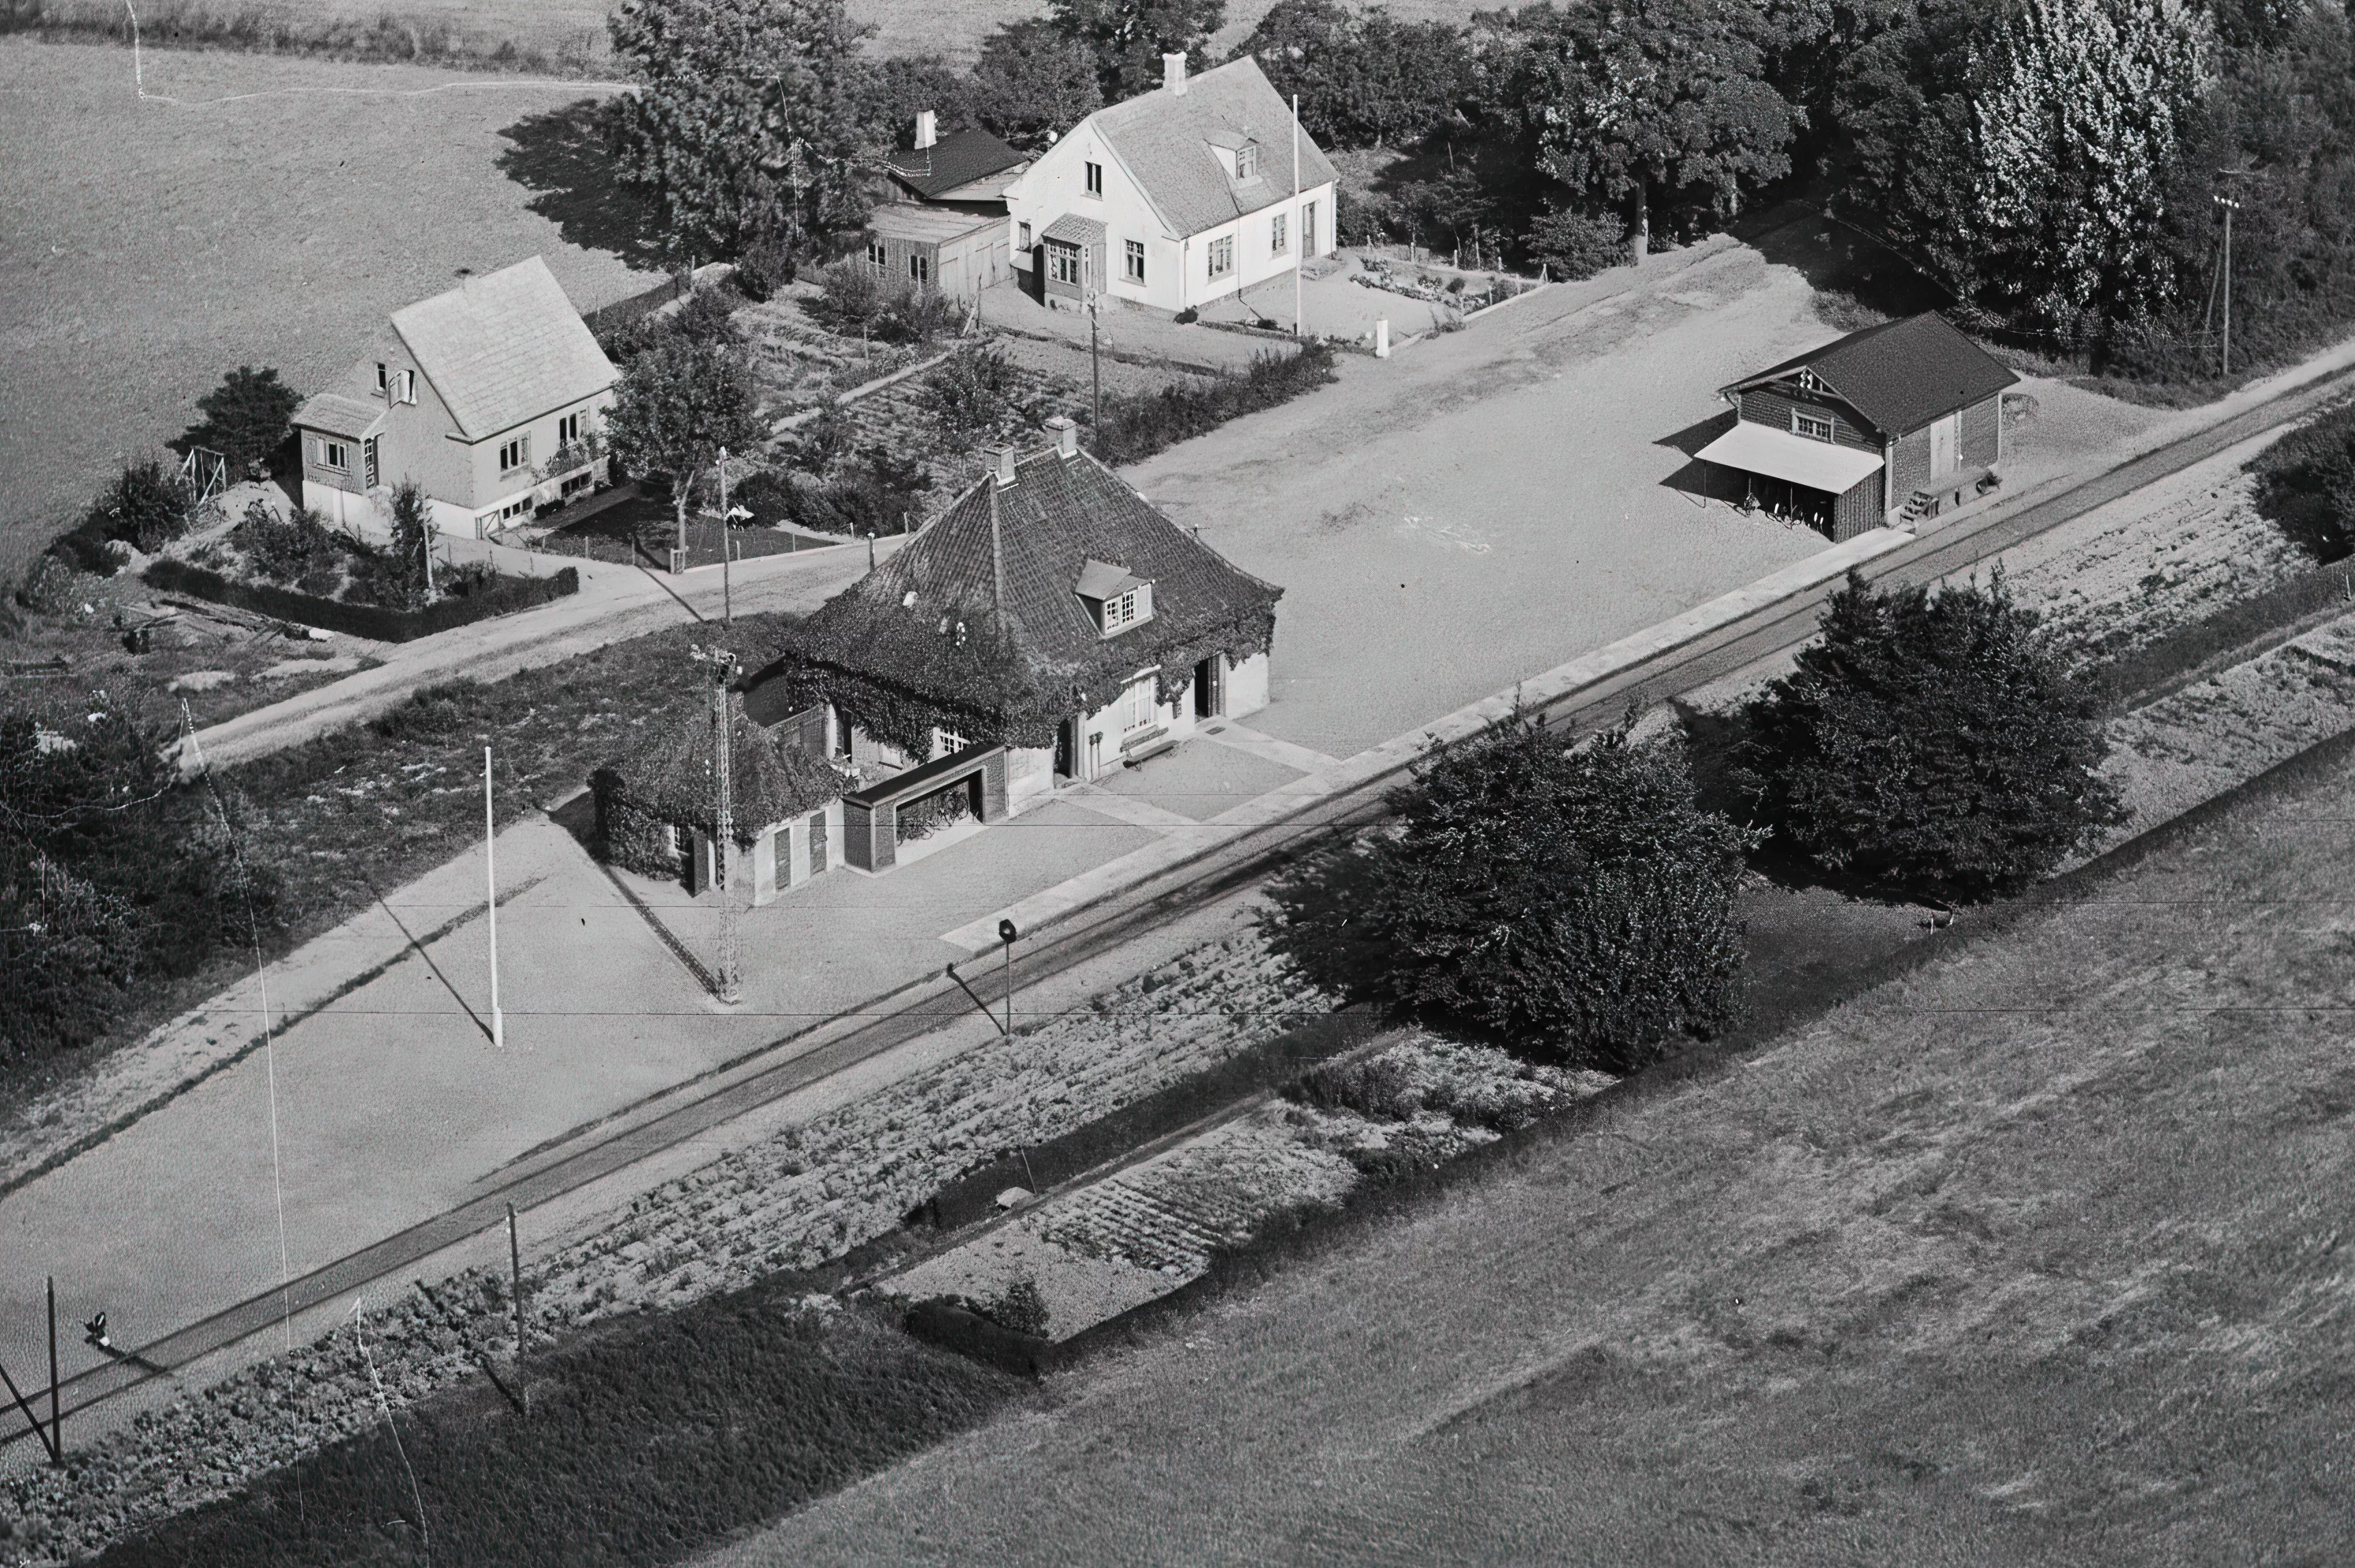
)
(500, 596)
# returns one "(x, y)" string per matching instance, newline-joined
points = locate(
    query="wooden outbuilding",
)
(1890, 426)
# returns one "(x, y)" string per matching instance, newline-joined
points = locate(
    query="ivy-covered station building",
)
(1049, 625)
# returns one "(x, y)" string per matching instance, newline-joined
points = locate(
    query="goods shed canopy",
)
(1761, 449)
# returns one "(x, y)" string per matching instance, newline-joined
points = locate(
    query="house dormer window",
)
(1115, 598)
(1247, 161)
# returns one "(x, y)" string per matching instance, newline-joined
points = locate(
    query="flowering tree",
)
(2076, 110)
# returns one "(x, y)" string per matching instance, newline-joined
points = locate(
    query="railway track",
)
(1249, 858)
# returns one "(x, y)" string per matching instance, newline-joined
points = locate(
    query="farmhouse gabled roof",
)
(504, 348)
(953, 161)
(670, 775)
(1900, 375)
(981, 611)
(1166, 140)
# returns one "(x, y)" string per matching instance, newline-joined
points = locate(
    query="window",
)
(877, 256)
(1025, 235)
(1095, 180)
(1815, 427)
(1222, 255)
(1247, 161)
(368, 463)
(1279, 239)
(514, 454)
(1063, 264)
(920, 267)
(1137, 707)
(383, 376)
(1135, 251)
(335, 454)
(572, 426)
(1308, 230)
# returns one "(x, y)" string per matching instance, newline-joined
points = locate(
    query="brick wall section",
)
(1857, 510)
(1982, 432)
(1767, 407)
(1909, 466)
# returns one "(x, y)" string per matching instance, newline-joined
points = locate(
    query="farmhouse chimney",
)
(927, 129)
(1001, 465)
(1067, 436)
(1173, 73)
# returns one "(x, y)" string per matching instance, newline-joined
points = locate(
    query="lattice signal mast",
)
(722, 664)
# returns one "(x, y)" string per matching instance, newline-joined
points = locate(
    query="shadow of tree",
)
(560, 156)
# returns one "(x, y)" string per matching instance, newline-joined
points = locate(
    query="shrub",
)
(765, 267)
(286, 549)
(1189, 316)
(1929, 744)
(973, 394)
(1139, 425)
(2306, 484)
(876, 492)
(505, 596)
(144, 507)
(246, 417)
(1572, 899)
(855, 302)
(1020, 1307)
(1575, 245)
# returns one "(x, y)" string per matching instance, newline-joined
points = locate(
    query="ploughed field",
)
(253, 209)
(2037, 1255)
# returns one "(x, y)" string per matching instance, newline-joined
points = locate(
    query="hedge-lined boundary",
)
(369, 620)
(1137, 425)
(2225, 638)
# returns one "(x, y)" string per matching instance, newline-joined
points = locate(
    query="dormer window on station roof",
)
(1116, 598)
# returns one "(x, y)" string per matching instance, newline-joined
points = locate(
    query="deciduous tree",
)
(747, 125)
(246, 417)
(1929, 744)
(1033, 83)
(1126, 39)
(674, 408)
(1572, 899)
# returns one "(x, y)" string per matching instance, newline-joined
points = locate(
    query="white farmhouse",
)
(1175, 197)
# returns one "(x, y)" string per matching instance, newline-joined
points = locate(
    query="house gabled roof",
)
(1900, 375)
(981, 611)
(953, 161)
(1166, 141)
(336, 414)
(504, 348)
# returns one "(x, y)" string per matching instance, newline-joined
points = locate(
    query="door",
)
(1067, 751)
(1945, 441)
(1206, 687)
(1095, 754)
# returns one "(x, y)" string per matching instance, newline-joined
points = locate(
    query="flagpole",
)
(1299, 241)
(491, 877)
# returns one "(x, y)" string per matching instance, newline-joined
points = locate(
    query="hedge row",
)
(2224, 636)
(370, 621)
(1137, 426)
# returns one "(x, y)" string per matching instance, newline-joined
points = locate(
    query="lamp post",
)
(1006, 935)
(491, 908)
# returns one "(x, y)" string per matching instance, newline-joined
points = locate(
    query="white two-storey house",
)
(1201, 188)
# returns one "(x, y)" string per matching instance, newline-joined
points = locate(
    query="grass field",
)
(263, 209)
(2037, 1256)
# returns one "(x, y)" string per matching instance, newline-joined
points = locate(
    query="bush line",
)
(369, 620)
(391, 37)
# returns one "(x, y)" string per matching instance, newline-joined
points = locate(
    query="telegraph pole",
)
(1096, 366)
(1300, 241)
(2230, 207)
(727, 593)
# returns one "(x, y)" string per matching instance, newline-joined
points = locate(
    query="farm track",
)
(901, 1015)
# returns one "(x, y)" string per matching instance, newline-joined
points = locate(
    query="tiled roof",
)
(1900, 375)
(504, 348)
(951, 162)
(980, 611)
(1166, 139)
(339, 415)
